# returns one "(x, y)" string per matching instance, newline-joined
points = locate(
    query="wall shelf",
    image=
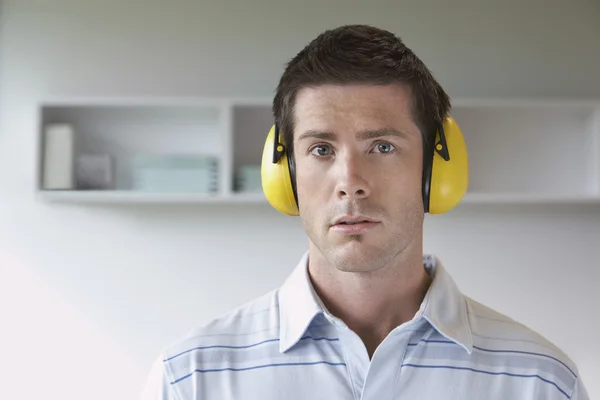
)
(519, 198)
(132, 197)
(521, 151)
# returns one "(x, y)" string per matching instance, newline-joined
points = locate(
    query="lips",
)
(353, 225)
(348, 220)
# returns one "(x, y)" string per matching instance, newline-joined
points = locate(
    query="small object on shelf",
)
(248, 179)
(58, 150)
(94, 172)
(176, 173)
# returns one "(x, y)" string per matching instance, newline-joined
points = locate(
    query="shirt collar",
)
(444, 306)
(298, 305)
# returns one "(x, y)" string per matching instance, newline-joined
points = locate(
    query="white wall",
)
(86, 303)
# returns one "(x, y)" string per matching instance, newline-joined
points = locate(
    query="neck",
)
(372, 303)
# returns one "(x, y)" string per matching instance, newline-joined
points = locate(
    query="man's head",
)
(356, 107)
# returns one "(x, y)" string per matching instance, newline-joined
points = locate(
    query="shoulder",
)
(498, 338)
(492, 327)
(244, 327)
(254, 316)
(210, 346)
(254, 320)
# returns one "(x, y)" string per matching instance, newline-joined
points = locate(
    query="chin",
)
(355, 256)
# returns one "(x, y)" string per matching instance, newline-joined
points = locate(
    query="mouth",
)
(353, 225)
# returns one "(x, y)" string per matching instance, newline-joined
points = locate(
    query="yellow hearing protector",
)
(445, 171)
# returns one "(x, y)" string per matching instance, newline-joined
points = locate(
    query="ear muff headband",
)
(440, 146)
(448, 178)
(445, 171)
(280, 149)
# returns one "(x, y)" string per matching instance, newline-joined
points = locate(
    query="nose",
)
(352, 183)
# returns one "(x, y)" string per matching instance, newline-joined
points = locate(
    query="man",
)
(365, 314)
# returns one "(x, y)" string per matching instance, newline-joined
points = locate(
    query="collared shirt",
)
(286, 345)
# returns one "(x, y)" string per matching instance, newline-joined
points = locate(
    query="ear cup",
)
(449, 178)
(277, 179)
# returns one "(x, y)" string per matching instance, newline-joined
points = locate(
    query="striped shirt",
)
(285, 345)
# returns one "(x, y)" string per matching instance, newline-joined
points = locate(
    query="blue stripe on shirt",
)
(500, 351)
(244, 346)
(258, 367)
(487, 372)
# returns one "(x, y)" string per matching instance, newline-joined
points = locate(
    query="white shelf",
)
(521, 151)
(132, 197)
(521, 198)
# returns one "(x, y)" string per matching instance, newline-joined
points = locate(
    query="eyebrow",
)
(363, 135)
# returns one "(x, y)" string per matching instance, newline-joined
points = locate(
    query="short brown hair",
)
(360, 54)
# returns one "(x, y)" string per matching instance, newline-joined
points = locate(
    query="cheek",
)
(308, 183)
(309, 174)
(403, 179)
(314, 193)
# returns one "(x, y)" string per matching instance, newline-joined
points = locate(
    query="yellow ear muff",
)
(445, 182)
(450, 168)
(275, 175)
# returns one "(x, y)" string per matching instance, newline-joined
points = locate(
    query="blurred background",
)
(95, 280)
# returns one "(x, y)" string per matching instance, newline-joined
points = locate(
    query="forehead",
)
(353, 107)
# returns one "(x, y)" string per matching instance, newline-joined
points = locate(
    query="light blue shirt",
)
(286, 346)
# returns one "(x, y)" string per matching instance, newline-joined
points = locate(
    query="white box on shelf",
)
(176, 173)
(94, 172)
(58, 153)
(248, 179)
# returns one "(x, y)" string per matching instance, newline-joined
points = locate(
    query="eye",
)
(321, 150)
(384, 147)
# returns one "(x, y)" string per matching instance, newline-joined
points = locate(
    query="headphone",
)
(445, 171)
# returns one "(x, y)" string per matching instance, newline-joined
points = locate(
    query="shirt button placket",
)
(357, 359)
(381, 380)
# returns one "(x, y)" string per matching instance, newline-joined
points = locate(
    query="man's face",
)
(358, 157)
